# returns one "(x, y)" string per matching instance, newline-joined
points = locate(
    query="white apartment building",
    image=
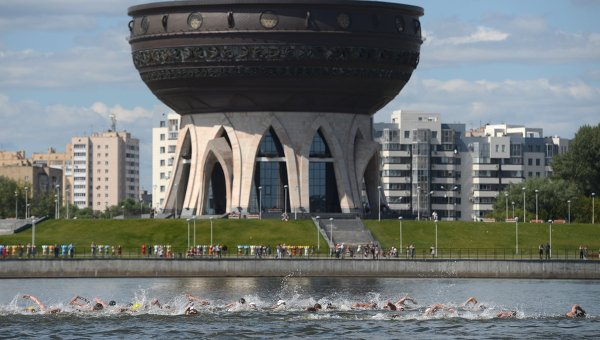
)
(428, 166)
(106, 169)
(164, 143)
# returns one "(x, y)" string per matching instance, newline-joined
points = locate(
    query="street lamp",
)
(506, 199)
(260, 202)
(26, 204)
(524, 217)
(188, 238)
(176, 194)
(16, 205)
(516, 235)
(211, 231)
(331, 229)
(123, 207)
(296, 207)
(55, 206)
(593, 196)
(400, 249)
(58, 205)
(418, 203)
(379, 203)
(536, 204)
(141, 208)
(550, 229)
(33, 230)
(436, 237)
(285, 188)
(513, 205)
(194, 219)
(318, 238)
(569, 205)
(68, 199)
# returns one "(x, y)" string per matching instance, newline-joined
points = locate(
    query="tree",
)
(7, 197)
(553, 195)
(581, 163)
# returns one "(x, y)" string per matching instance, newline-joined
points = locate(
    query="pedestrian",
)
(580, 252)
(541, 251)
(547, 251)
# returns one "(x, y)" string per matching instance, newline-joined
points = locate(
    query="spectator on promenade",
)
(581, 252)
(547, 251)
(541, 251)
(93, 247)
(56, 250)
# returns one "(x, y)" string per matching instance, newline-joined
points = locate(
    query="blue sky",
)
(66, 66)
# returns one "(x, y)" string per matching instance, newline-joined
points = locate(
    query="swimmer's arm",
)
(98, 300)
(36, 301)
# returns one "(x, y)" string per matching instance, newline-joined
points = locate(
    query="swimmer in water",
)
(576, 312)
(470, 301)
(317, 307)
(192, 298)
(391, 306)
(364, 305)
(40, 305)
(240, 304)
(507, 314)
(82, 302)
(330, 306)
(279, 305)
(437, 307)
(403, 300)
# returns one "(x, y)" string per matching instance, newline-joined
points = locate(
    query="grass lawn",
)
(134, 232)
(460, 234)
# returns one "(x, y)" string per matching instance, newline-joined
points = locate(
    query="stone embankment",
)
(86, 268)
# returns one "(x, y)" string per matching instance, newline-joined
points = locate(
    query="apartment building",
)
(428, 166)
(106, 169)
(62, 161)
(164, 143)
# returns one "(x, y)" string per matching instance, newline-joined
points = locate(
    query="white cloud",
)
(559, 107)
(482, 34)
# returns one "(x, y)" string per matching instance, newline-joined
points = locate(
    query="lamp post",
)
(68, 199)
(33, 230)
(194, 219)
(123, 207)
(536, 204)
(436, 238)
(211, 231)
(593, 205)
(141, 208)
(516, 235)
(550, 232)
(400, 249)
(260, 202)
(513, 205)
(569, 209)
(26, 204)
(176, 198)
(58, 201)
(285, 188)
(524, 217)
(379, 203)
(318, 238)
(16, 205)
(418, 203)
(188, 237)
(55, 207)
(506, 199)
(331, 229)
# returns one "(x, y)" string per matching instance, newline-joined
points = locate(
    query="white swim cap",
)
(280, 302)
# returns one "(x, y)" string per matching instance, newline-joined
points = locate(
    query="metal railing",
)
(301, 252)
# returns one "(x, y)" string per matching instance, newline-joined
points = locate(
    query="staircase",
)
(345, 228)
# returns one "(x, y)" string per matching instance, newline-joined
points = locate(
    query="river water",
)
(540, 307)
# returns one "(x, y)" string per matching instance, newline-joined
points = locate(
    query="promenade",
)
(304, 267)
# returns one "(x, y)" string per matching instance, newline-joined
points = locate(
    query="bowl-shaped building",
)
(276, 97)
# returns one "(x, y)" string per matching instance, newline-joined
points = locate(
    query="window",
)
(162, 175)
(406, 134)
(162, 188)
(537, 161)
(530, 161)
(162, 162)
(172, 148)
(162, 149)
(162, 136)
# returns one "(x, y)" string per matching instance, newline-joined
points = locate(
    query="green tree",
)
(7, 197)
(552, 199)
(581, 163)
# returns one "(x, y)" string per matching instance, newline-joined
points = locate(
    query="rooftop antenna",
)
(113, 122)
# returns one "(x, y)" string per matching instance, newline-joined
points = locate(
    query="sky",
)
(65, 66)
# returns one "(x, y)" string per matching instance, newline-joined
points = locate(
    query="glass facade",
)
(270, 173)
(323, 192)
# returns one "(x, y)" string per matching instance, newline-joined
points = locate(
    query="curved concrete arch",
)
(217, 151)
(175, 198)
(337, 153)
(237, 171)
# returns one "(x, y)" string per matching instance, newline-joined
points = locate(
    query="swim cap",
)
(242, 301)
(112, 303)
(97, 306)
(280, 302)
(135, 306)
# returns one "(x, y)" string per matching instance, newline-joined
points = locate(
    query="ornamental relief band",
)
(245, 71)
(182, 55)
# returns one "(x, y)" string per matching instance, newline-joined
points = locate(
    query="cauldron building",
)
(276, 97)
